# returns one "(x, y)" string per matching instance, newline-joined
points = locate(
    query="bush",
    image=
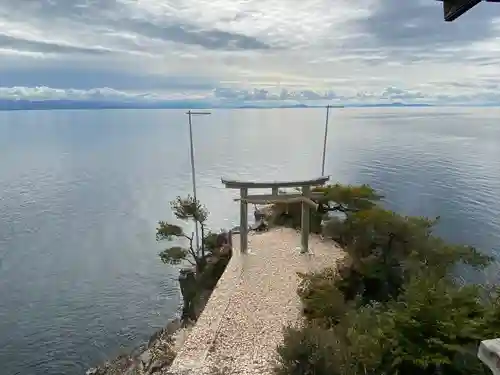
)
(334, 228)
(322, 301)
(393, 306)
(310, 351)
(433, 328)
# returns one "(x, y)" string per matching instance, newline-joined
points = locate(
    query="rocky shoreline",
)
(160, 351)
(156, 355)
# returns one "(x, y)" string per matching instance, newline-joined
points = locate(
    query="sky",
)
(339, 51)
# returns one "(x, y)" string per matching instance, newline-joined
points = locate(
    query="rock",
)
(226, 250)
(134, 370)
(220, 240)
(173, 326)
(260, 226)
(140, 367)
(258, 215)
(157, 366)
(119, 366)
(145, 358)
(165, 332)
(155, 337)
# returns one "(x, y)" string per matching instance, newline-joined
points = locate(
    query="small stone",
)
(92, 371)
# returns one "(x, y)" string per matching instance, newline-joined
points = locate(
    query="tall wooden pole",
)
(305, 221)
(243, 220)
(193, 176)
(325, 140)
(193, 171)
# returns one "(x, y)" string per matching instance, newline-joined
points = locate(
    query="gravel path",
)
(257, 295)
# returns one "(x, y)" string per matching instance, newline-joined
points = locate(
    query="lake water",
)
(81, 193)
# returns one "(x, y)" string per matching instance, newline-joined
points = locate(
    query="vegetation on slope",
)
(393, 306)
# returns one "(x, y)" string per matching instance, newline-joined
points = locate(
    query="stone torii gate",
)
(305, 197)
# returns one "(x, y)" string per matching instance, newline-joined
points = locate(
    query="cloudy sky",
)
(340, 50)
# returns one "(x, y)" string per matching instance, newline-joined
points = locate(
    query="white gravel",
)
(243, 321)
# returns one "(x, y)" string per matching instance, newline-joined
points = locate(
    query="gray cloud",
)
(19, 44)
(188, 34)
(95, 12)
(55, 9)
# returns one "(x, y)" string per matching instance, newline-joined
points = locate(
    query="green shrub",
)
(393, 306)
(322, 302)
(308, 351)
(433, 328)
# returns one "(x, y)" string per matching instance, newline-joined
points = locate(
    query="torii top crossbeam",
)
(305, 197)
(235, 184)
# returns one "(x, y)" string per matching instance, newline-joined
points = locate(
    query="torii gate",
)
(305, 197)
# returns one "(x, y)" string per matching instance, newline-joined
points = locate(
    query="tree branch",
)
(191, 248)
(202, 240)
(338, 207)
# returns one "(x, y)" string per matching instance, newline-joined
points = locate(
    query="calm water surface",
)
(81, 192)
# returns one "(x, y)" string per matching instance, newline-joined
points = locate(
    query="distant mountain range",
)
(390, 105)
(17, 105)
